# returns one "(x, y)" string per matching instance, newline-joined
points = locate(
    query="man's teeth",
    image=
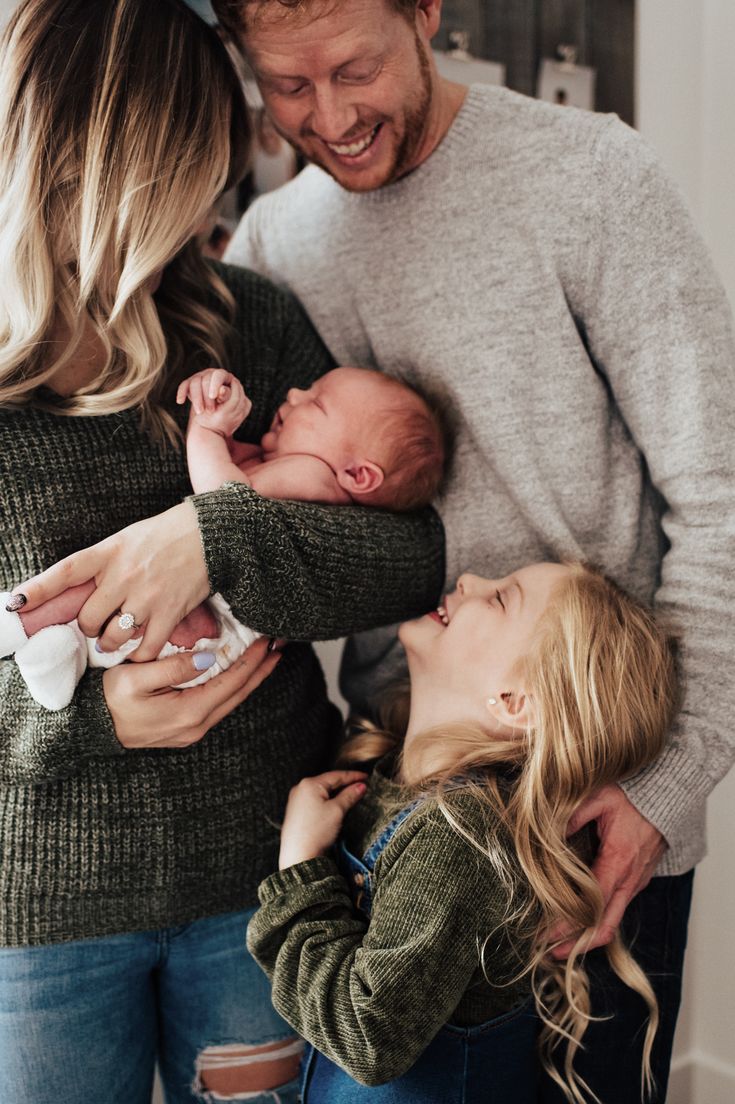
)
(441, 610)
(354, 148)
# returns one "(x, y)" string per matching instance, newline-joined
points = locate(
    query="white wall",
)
(686, 109)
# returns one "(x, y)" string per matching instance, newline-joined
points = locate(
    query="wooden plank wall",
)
(521, 32)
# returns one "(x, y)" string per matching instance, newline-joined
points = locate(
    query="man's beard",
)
(416, 120)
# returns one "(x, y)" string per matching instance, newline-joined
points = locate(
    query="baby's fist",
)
(218, 400)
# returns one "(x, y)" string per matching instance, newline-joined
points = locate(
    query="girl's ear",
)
(513, 709)
(361, 478)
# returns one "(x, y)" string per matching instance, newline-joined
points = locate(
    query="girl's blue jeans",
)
(489, 1064)
(85, 1022)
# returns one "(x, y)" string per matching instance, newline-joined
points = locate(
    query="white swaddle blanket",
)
(53, 660)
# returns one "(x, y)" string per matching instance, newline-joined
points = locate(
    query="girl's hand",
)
(315, 813)
(148, 713)
(218, 400)
(154, 570)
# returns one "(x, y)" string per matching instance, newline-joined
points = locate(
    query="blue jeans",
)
(655, 929)
(489, 1064)
(86, 1021)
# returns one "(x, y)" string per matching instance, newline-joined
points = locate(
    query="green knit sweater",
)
(97, 839)
(372, 996)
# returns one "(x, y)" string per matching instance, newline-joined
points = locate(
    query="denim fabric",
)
(358, 873)
(492, 1063)
(655, 929)
(85, 1022)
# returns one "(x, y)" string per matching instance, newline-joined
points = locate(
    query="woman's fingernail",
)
(97, 647)
(272, 644)
(16, 603)
(204, 660)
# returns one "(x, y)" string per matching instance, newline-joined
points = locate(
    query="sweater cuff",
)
(91, 717)
(283, 882)
(669, 792)
(221, 513)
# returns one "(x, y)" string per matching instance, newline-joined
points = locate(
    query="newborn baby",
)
(355, 437)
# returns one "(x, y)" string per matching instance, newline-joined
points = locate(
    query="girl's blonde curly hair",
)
(602, 677)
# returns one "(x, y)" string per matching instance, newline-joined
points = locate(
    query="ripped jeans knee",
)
(239, 1071)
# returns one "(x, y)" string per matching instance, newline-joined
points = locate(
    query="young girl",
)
(407, 957)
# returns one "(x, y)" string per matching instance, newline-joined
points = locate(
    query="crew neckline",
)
(463, 123)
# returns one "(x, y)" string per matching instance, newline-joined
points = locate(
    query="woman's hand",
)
(154, 570)
(315, 812)
(148, 713)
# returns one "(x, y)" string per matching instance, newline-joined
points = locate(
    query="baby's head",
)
(381, 439)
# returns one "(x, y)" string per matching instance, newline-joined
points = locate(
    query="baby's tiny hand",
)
(315, 812)
(218, 400)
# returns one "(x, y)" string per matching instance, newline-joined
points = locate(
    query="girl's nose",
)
(467, 584)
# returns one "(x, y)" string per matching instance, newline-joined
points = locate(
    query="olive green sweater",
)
(372, 996)
(97, 839)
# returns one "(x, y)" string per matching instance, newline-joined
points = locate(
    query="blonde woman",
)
(136, 823)
(407, 957)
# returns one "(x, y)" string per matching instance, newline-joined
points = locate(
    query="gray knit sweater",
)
(97, 839)
(541, 273)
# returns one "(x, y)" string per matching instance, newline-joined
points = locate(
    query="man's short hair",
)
(232, 13)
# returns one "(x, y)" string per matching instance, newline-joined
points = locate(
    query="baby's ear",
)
(361, 478)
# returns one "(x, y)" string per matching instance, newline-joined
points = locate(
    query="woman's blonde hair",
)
(121, 122)
(602, 679)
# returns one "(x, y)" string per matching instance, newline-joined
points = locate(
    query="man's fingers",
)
(613, 915)
(615, 873)
(600, 936)
(69, 572)
(589, 810)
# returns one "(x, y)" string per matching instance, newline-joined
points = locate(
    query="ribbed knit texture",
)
(372, 997)
(97, 839)
(545, 278)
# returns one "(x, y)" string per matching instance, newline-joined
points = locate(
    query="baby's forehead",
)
(354, 384)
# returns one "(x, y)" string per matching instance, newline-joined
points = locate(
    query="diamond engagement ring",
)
(126, 621)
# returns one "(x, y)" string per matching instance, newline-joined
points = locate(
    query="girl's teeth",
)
(443, 614)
